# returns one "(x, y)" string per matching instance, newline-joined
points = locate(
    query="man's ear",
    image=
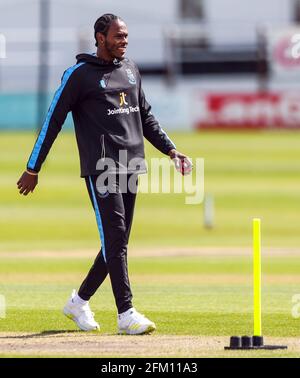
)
(100, 38)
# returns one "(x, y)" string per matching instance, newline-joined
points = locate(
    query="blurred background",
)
(223, 79)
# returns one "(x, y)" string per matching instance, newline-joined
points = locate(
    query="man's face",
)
(116, 41)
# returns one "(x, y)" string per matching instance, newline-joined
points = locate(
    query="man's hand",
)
(27, 182)
(181, 161)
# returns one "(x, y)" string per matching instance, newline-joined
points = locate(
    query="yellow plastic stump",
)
(256, 341)
(257, 276)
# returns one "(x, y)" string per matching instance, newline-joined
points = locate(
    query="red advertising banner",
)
(247, 110)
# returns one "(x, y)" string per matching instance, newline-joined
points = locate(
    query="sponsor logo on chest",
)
(124, 107)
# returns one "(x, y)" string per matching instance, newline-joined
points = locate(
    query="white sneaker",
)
(133, 323)
(80, 314)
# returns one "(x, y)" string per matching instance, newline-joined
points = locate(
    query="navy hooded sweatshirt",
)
(110, 115)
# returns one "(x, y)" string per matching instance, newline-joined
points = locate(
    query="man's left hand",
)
(182, 163)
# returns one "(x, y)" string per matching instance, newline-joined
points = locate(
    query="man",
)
(103, 91)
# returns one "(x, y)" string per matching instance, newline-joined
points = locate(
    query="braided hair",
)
(103, 23)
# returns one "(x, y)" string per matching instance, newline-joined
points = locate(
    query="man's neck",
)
(102, 56)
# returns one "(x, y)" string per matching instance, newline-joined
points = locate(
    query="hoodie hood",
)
(93, 59)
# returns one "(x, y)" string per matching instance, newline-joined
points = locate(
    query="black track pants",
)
(114, 214)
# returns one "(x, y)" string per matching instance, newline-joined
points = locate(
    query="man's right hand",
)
(27, 182)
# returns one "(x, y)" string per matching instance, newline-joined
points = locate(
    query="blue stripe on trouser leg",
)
(98, 217)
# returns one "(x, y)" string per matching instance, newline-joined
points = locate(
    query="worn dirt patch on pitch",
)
(101, 345)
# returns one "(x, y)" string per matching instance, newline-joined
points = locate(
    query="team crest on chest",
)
(130, 76)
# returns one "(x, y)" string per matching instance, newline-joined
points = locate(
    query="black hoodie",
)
(110, 114)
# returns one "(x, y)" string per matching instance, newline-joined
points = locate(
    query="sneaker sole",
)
(72, 317)
(147, 331)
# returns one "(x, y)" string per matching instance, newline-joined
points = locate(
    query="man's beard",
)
(111, 53)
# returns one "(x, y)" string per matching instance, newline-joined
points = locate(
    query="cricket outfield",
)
(195, 283)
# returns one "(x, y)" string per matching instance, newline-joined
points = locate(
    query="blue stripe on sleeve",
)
(38, 145)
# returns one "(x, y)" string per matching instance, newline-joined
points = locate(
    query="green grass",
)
(227, 307)
(178, 305)
(249, 174)
(218, 308)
